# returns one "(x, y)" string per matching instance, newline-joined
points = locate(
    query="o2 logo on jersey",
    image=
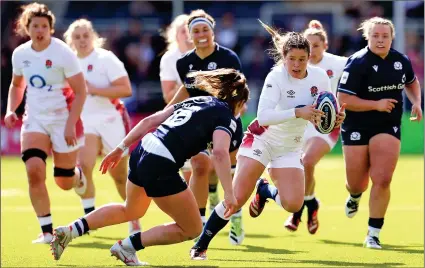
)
(38, 81)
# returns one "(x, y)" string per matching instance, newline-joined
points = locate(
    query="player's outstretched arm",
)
(222, 165)
(180, 96)
(112, 159)
(356, 104)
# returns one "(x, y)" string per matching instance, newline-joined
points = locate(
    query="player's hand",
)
(70, 134)
(386, 105)
(230, 204)
(10, 119)
(111, 160)
(340, 117)
(416, 114)
(309, 113)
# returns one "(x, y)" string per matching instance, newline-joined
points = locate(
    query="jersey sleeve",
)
(71, 65)
(225, 121)
(180, 69)
(350, 81)
(167, 70)
(114, 67)
(15, 64)
(410, 74)
(269, 98)
(236, 62)
(237, 138)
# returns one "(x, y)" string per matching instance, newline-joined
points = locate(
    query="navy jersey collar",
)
(388, 57)
(217, 48)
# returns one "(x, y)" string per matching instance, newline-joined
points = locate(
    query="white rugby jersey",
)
(100, 69)
(334, 66)
(45, 73)
(168, 68)
(280, 96)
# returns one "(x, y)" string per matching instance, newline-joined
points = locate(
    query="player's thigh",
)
(35, 140)
(247, 172)
(183, 209)
(290, 183)
(384, 151)
(119, 172)
(137, 201)
(201, 163)
(357, 165)
(314, 150)
(88, 153)
(65, 160)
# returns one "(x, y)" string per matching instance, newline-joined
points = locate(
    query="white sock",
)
(77, 228)
(373, 232)
(126, 243)
(277, 200)
(45, 220)
(88, 202)
(309, 197)
(204, 219)
(219, 209)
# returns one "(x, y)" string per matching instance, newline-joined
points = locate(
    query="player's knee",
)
(293, 205)
(309, 162)
(87, 165)
(35, 163)
(64, 177)
(195, 230)
(201, 165)
(382, 180)
(359, 187)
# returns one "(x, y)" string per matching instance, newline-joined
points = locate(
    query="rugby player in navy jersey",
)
(371, 86)
(182, 131)
(206, 56)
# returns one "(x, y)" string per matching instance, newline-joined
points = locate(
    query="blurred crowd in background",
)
(133, 33)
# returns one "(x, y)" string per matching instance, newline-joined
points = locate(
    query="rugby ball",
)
(327, 103)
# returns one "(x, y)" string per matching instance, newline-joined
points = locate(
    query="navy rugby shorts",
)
(158, 175)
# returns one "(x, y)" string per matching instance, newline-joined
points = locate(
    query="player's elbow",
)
(219, 154)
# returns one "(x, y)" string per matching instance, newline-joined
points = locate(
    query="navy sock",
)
(136, 241)
(88, 210)
(355, 195)
(202, 211)
(299, 213)
(268, 191)
(312, 204)
(214, 224)
(212, 188)
(376, 222)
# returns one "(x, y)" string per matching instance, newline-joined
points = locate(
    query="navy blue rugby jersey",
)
(368, 76)
(221, 58)
(190, 128)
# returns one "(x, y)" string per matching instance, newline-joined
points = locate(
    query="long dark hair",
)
(228, 85)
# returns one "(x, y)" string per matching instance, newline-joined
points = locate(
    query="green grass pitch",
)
(267, 244)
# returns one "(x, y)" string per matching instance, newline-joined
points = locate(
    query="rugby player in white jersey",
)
(105, 118)
(316, 145)
(179, 42)
(274, 140)
(56, 92)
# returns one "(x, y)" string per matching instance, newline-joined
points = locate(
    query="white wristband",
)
(122, 146)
